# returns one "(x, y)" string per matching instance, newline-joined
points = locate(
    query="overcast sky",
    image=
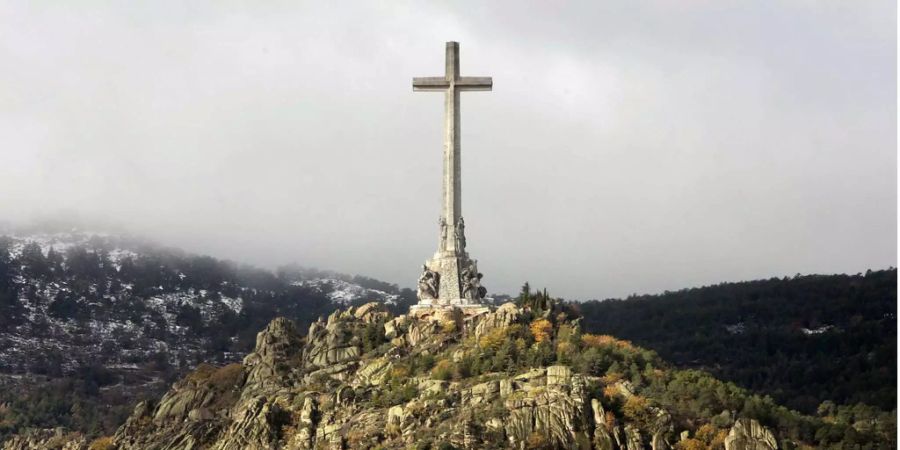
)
(627, 147)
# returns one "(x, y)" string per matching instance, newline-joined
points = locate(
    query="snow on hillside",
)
(344, 292)
(108, 323)
(59, 241)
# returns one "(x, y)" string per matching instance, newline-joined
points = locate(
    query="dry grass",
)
(102, 443)
(227, 376)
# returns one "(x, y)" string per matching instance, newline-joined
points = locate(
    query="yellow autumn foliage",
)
(102, 443)
(690, 444)
(603, 340)
(494, 338)
(541, 330)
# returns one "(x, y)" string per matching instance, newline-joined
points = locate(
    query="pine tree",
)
(55, 262)
(33, 260)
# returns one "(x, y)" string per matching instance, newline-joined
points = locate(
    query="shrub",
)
(422, 363)
(537, 441)
(393, 393)
(610, 391)
(603, 340)
(399, 372)
(102, 443)
(448, 326)
(541, 329)
(568, 332)
(705, 433)
(637, 409)
(690, 444)
(611, 378)
(610, 420)
(493, 339)
(565, 351)
(201, 373)
(718, 441)
(443, 370)
(226, 377)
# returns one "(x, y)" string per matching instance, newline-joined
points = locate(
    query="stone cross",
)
(452, 84)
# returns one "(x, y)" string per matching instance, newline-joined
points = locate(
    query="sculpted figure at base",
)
(461, 235)
(443, 225)
(428, 284)
(471, 279)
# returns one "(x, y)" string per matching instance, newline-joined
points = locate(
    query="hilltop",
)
(93, 323)
(518, 376)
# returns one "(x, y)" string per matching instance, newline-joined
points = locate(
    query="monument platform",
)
(447, 312)
(427, 306)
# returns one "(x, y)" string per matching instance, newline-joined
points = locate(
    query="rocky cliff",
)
(433, 379)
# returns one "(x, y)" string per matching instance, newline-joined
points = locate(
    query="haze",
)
(627, 147)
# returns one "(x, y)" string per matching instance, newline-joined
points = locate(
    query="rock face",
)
(747, 434)
(552, 404)
(49, 439)
(352, 383)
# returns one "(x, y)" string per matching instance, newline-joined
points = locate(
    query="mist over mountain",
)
(626, 148)
(92, 322)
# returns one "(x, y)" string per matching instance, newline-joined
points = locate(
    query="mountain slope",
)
(805, 340)
(91, 322)
(511, 377)
(103, 321)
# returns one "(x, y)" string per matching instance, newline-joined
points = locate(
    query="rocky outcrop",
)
(504, 316)
(337, 340)
(141, 431)
(255, 426)
(275, 354)
(46, 439)
(551, 404)
(358, 382)
(748, 434)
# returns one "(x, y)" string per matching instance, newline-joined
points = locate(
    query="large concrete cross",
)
(452, 84)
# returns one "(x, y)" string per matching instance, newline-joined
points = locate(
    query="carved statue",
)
(461, 235)
(443, 225)
(471, 281)
(428, 284)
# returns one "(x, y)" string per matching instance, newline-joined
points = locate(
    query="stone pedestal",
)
(452, 268)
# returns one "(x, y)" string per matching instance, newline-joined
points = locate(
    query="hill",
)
(92, 322)
(511, 377)
(811, 342)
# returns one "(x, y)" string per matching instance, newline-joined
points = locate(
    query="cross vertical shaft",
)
(452, 84)
(452, 185)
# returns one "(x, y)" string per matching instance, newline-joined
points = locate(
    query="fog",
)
(627, 147)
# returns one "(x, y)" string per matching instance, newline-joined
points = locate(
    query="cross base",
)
(453, 268)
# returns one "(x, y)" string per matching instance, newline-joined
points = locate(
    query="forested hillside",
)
(520, 376)
(90, 323)
(811, 342)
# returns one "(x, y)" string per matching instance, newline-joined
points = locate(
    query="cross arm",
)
(430, 84)
(461, 83)
(475, 83)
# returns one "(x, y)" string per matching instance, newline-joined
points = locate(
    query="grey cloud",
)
(626, 147)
